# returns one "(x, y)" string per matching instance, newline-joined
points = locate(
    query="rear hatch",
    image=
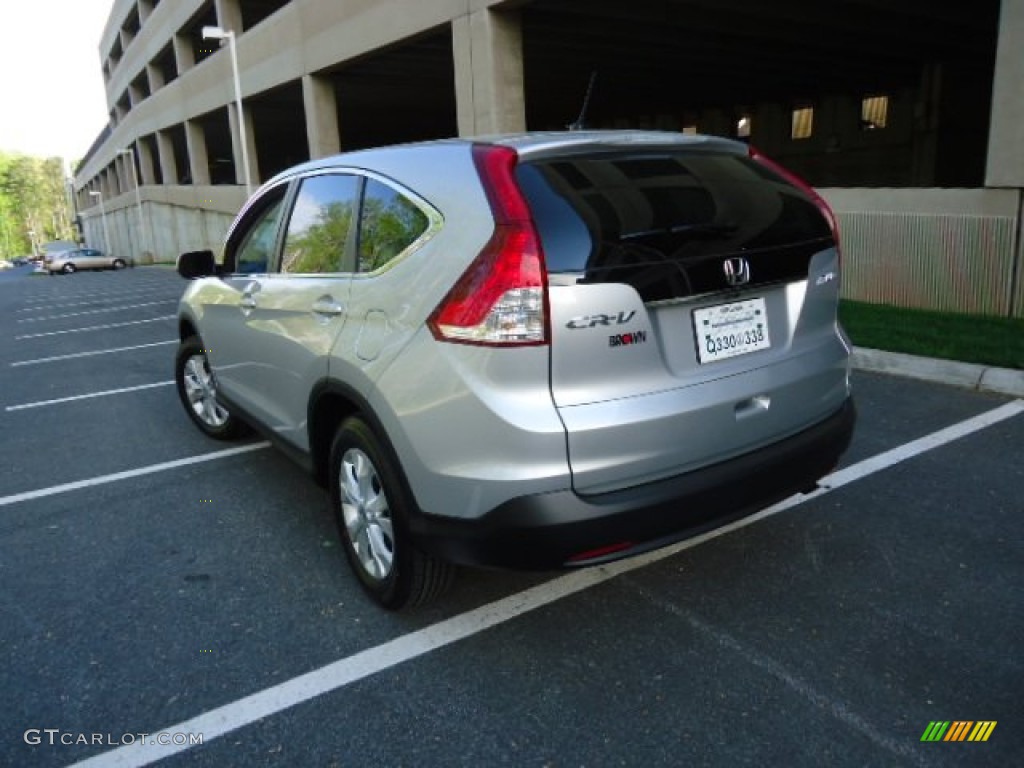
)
(684, 328)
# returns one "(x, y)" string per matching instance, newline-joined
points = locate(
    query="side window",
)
(389, 223)
(320, 223)
(250, 249)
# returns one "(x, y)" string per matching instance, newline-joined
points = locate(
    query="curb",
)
(983, 378)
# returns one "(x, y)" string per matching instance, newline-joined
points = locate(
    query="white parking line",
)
(55, 358)
(38, 306)
(105, 393)
(96, 311)
(93, 328)
(58, 301)
(238, 714)
(53, 490)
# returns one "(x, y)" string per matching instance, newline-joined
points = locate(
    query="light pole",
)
(217, 33)
(103, 217)
(143, 234)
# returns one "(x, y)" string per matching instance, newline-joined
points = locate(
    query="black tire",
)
(197, 389)
(398, 576)
(119, 264)
(69, 269)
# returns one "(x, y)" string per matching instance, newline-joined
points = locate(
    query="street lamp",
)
(143, 234)
(103, 217)
(217, 33)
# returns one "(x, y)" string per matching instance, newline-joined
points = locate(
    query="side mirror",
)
(197, 264)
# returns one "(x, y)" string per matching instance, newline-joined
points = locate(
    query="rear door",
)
(291, 315)
(683, 329)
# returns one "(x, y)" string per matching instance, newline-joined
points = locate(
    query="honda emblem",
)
(737, 271)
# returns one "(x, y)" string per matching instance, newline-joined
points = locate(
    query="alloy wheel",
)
(366, 514)
(201, 390)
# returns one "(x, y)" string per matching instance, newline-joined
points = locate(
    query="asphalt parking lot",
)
(155, 582)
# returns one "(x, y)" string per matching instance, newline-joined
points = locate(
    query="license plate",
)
(729, 330)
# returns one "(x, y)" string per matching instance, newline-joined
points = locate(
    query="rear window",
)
(665, 222)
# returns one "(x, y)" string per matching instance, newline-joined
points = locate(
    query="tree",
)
(33, 203)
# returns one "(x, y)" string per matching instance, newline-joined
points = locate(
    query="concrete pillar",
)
(1006, 132)
(321, 116)
(199, 163)
(236, 146)
(146, 174)
(156, 78)
(489, 93)
(184, 54)
(165, 148)
(229, 15)
(117, 171)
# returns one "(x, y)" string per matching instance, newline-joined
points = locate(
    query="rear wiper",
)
(685, 229)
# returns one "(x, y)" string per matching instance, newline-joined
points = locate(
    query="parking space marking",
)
(269, 701)
(44, 305)
(92, 482)
(93, 328)
(41, 300)
(89, 396)
(121, 308)
(74, 355)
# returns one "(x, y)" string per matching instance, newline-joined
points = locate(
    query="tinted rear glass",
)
(665, 222)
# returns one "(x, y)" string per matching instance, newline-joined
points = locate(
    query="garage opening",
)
(279, 123)
(219, 153)
(401, 94)
(790, 77)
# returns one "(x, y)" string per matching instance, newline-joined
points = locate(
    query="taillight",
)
(501, 299)
(802, 185)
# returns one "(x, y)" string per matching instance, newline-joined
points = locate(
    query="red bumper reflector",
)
(593, 554)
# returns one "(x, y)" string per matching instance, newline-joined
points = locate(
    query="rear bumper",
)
(553, 530)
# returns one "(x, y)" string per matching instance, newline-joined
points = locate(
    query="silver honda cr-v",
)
(533, 351)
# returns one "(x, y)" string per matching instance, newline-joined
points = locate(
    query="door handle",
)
(326, 305)
(248, 300)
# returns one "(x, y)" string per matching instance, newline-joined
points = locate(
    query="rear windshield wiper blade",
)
(685, 229)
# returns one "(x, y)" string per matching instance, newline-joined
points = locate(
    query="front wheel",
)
(197, 389)
(68, 269)
(372, 508)
(119, 264)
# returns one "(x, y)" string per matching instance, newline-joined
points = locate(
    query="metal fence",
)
(952, 263)
(944, 258)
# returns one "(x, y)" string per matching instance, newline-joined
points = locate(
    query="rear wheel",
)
(119, 264)
(68, 269)
(197, 389)
(372, 509)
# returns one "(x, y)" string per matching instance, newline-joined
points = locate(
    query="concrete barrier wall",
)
(172, 230)
(955, 250)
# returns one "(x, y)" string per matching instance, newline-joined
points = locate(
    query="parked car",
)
(532, 351)
(67, 262)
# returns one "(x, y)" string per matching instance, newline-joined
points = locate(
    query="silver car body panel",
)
(474, 427)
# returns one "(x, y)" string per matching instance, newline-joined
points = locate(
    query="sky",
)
(52, 99)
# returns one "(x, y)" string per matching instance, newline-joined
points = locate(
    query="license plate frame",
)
(732, 329)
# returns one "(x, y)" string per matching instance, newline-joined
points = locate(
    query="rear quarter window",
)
(389, 223)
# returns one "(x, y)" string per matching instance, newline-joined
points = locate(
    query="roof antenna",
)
(578, 124)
